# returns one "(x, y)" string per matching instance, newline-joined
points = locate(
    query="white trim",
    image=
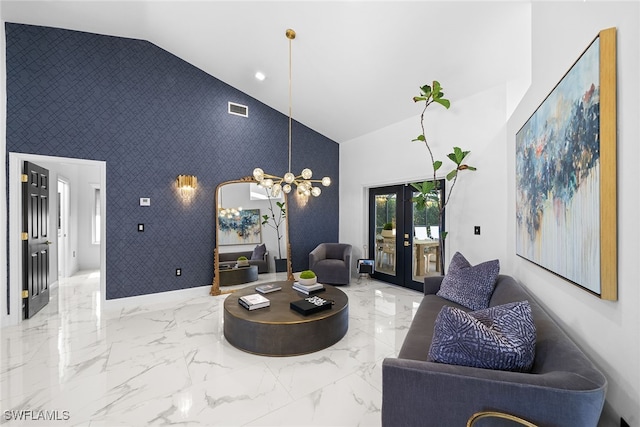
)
(15, 210)
(158, 298)
(235, 104)
(95, 186)
(4, 256)
(63, 249)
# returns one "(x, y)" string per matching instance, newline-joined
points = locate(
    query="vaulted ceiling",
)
(356, 64)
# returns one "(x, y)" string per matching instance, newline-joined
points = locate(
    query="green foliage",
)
(275, 220)
(427, 191)
(307, 274)
(387, 226)
(242, 258)
(281, 215)
(430, 94)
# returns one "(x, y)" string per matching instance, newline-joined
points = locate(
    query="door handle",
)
(406, 243)
(47, 242)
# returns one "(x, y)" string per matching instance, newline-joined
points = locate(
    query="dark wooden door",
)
(35, 222)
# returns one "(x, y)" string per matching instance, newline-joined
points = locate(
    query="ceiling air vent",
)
(238, 110)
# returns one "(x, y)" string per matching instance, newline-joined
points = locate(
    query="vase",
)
(281, 265)
(388, 233)
(308, 282)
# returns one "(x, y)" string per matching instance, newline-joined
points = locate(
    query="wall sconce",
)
(187, 185)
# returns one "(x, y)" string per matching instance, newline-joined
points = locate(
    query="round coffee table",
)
(238, 275)
(278, 330)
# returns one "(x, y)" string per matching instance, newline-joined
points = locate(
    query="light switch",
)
(140, 227)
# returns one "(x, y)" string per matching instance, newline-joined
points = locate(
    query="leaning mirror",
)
(250, 224)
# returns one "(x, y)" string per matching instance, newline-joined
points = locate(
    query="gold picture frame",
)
(566, 174)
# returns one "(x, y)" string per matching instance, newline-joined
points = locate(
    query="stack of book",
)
(308, 289)
(253, 301)
(311, 305)
(270, 287)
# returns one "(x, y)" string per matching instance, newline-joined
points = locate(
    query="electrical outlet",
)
(476, 230)
(140, 227)
(178, 272)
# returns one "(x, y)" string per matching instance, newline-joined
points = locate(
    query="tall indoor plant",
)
(275, 220)
(429, 190)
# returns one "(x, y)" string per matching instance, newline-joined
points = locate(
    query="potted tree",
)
(387, 230)
(275, 220)
(429, 191)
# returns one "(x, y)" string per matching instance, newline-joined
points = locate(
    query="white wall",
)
(70, 174)
(3, 180)
(557, 34)
(607, 331)
(88, 252)
(389, 156)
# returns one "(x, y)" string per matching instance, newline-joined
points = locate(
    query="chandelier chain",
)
(275, 184)
(290, 100)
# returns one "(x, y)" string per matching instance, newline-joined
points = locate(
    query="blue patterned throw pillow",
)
(467, 285)
(501, 337)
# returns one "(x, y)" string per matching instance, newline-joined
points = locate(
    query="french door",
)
(403, 240)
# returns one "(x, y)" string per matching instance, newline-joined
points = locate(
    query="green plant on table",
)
(307, 274)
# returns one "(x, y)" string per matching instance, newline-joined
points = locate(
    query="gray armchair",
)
(332, 263)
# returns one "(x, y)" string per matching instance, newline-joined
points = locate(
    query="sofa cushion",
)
(258, 252)
(467, 285)
(501, 337)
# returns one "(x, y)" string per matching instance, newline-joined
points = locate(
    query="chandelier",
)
(303, 182)
(230, 213)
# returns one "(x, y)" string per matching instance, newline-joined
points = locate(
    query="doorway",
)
(13, 288)
(403, 239)
(63, 227)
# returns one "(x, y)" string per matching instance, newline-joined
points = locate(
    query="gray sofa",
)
(229, 259)
(563, 388)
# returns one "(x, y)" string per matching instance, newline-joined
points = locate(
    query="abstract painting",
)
(242, 228)
(565, 185)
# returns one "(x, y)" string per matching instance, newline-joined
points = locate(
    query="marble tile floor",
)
(168, 363)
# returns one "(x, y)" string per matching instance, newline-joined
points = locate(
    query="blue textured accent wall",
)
(152, 116)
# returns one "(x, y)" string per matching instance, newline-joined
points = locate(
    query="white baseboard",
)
(159, 298)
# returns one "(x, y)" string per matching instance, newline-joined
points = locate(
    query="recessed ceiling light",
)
(260, 76)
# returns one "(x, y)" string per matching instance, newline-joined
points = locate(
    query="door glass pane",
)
(385, 215)
(425, 239)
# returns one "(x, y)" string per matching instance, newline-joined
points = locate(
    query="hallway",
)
(168, 362)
